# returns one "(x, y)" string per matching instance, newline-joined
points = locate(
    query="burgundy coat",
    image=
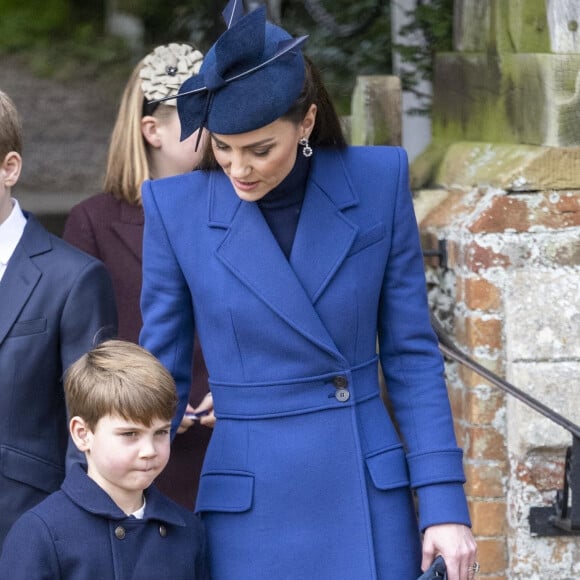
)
(112, 230)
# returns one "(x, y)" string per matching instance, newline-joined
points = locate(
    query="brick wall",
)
(509, 296)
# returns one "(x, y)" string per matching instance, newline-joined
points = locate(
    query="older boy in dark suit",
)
(55, 304)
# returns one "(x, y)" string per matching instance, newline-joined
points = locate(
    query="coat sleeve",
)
(168, 322)
(29, 552)
(89, 315)
(414, 371)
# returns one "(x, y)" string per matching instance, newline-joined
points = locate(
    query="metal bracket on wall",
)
(440, 252)
(562, 518)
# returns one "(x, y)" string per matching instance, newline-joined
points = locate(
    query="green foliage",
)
(429, 31)
(23, 23)
(64, 38)
(341, 59)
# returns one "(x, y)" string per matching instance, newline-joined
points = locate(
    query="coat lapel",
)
(324, 235)
(22, 275)
(253, 255)
(129, 229)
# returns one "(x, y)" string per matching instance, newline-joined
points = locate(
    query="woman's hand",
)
(208, 418)
(456, 544)
(186, 422)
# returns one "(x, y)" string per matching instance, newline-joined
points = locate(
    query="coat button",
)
(340, 382)
(342, 395)
(162, 531)
(120, 532)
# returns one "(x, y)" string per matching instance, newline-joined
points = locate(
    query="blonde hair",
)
(127, 162)
(119, 378)
(10, 127)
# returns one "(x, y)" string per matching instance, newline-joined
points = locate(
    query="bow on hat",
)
(250, 77)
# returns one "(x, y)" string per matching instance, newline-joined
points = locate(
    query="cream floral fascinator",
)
(166, 68)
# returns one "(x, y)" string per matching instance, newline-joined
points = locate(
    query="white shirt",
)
(140, 513)
(11, 231)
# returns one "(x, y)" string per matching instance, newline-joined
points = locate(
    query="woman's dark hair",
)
(327, 131)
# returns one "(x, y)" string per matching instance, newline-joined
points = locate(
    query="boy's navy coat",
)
(55, 304)
(79, 533)
(304, 478)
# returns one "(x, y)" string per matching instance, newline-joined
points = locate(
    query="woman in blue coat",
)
(297, 261)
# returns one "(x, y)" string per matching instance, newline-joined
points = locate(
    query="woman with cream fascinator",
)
(145, 144)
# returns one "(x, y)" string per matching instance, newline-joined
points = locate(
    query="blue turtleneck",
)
(281, 206)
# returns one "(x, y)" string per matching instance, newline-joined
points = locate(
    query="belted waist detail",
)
(262, 400)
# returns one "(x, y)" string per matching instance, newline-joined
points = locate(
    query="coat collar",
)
(323, 239)
(84, 492)
(22, 274)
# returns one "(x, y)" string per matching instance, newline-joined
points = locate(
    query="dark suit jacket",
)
(112, 230)
(55, 304)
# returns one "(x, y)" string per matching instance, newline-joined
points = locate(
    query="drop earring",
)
(306, 149)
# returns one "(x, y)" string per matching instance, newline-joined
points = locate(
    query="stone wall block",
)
(554, 385)
(509, 167)
(527, 98)
(376, 111)
(471, 21)
(543, 324)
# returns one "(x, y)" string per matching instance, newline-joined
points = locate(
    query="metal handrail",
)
(563, 517)
(449, 349)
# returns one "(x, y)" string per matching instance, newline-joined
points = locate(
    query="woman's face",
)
(257, 161)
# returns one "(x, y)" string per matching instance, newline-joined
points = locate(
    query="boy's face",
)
(124, 457)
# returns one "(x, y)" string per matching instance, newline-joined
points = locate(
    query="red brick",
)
(488, 518)
(505, 212)
(474, 331)
(471, 378)
(485, 479)
(482, 409)
(543, 473)
(477, 258)
(453, 208)
(485, 443)
(478, 294)
(492, 557)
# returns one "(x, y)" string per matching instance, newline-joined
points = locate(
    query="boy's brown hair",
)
(119, 378)
(10, 127)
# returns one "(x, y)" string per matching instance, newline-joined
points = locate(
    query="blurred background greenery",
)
(72, 38)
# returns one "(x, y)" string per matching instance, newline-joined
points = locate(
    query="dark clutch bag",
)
(437, 570)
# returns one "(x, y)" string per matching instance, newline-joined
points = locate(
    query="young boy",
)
(107, 520)
(56, 302)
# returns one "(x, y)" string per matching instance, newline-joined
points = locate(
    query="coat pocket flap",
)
(231, 491)
(388, 468)
(30, 470)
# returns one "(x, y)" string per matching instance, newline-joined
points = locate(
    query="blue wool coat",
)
(306, 475)
(79, 533)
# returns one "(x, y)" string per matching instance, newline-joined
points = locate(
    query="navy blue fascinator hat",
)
(249, 78)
